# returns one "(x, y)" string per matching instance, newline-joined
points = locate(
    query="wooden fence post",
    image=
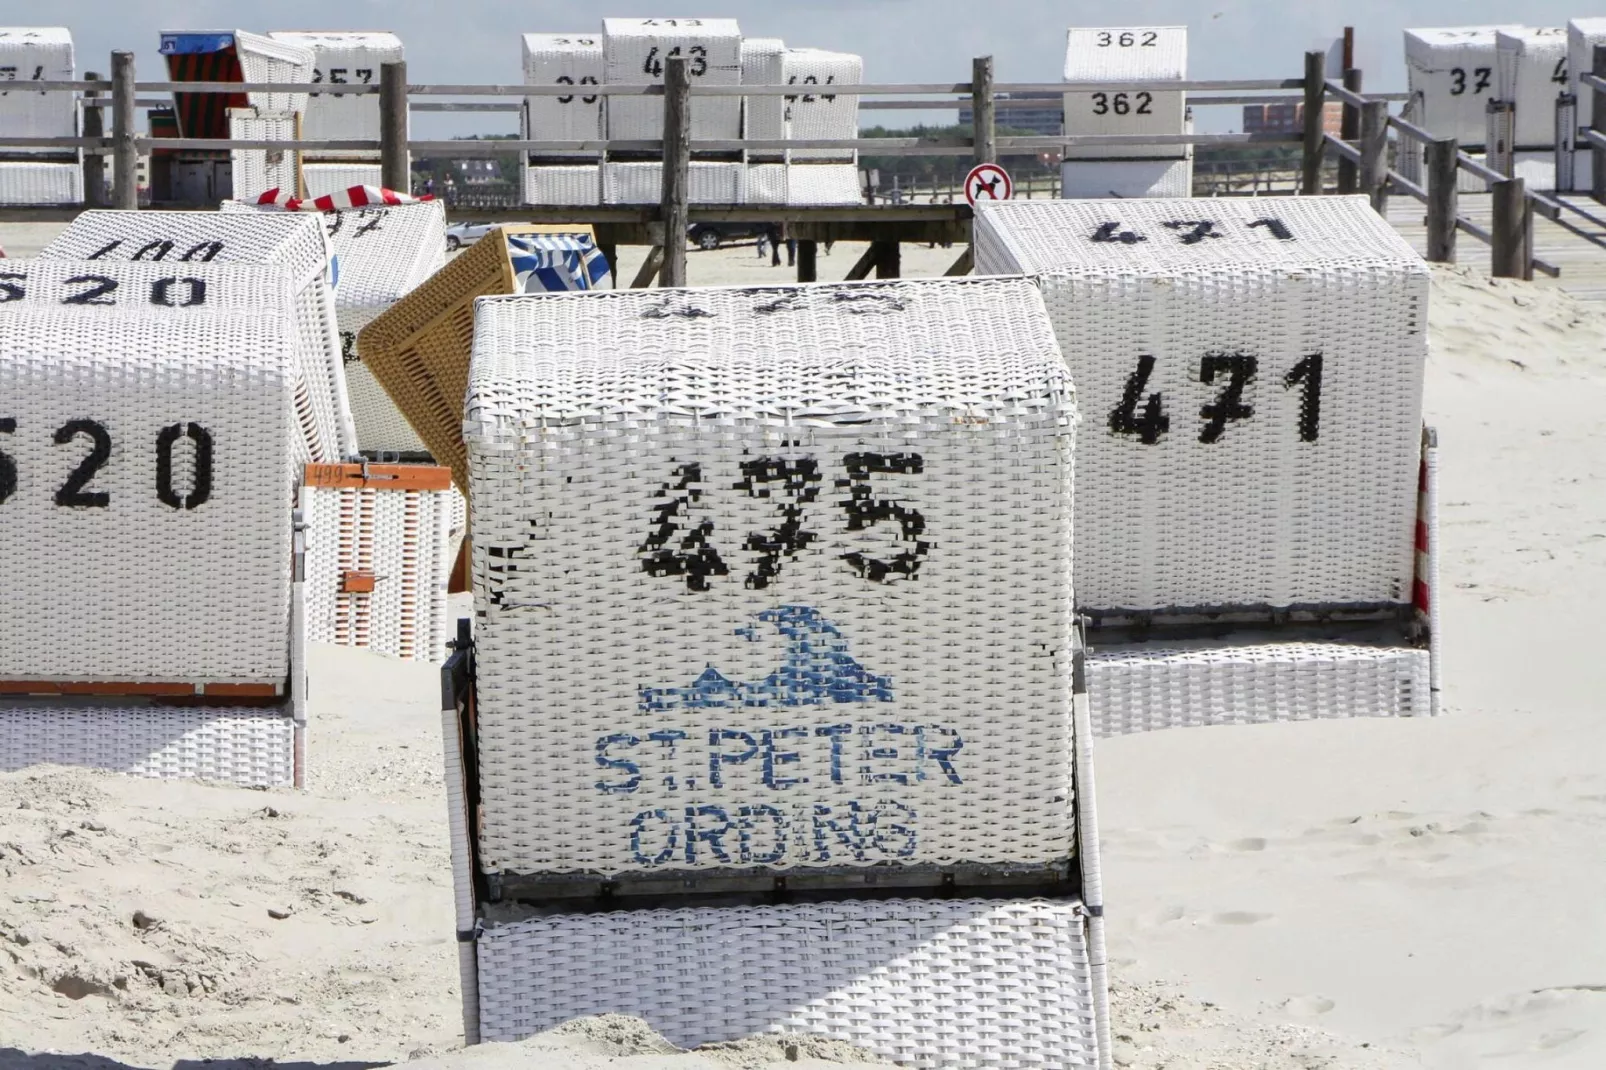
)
(1375, 153)
(1597, 122)
(1443, 201)
(807, 264)
(1508, 245)
(125, 154)
(1350, 130)
(395, 167)
(888, 259)
(94, 162)
(677, 168)
(982, 112)
(1315, 95)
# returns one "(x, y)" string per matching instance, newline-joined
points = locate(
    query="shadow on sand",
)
(12, 1059)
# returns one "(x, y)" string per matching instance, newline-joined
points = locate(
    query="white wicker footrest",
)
(957, 982)
(252, 747)
(1141, 687)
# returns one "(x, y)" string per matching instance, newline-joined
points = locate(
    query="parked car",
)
(461, 234)
(713, 235)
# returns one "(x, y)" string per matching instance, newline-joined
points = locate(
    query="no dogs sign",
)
(988, 182)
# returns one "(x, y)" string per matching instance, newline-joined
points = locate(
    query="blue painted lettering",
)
(892, 837)
(718, 758)
(774, 758)
(755, 822)
(641, 838)
(939, 744)
(887, 750)
(700, 833)
(623, 739)
(846, 823)
(837, 732)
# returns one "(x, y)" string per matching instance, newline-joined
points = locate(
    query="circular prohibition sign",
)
(988, 182)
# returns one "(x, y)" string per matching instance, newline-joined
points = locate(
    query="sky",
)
(901, 40)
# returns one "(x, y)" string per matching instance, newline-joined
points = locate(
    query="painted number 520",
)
(77, 492)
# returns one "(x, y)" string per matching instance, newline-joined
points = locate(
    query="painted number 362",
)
(680, 539)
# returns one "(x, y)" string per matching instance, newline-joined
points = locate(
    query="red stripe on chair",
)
(353, 197)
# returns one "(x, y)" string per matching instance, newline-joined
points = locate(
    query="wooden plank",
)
(649, 268)
(379, 476)
(861, 268)
(1315, 136)
(889, 259)
(808, 261)
(981, 97)
(676, 169)
(125, 153)
(1443, 200)
(394, 162)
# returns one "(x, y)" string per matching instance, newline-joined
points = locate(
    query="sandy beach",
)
(1361, 894)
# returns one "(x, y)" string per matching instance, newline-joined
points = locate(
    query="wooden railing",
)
(123, 145)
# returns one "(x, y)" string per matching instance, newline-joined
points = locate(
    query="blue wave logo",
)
(816, 669)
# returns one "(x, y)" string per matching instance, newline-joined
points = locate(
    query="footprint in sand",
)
(1308, 1006)
(1557, 1037)
(1240, 917)
(1253, 843)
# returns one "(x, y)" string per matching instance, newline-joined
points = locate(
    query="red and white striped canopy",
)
(351, 197)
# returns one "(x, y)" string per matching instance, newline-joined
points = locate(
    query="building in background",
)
(1045, 121)
(1289, 118)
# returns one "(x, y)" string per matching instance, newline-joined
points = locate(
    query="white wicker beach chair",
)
(833, 521)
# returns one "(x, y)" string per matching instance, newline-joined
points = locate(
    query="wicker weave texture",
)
(322, 179)
(263, 59)
(642, 183)
(294, 242)
(565, 185)
(1254, 399)
(385, 252)
(381, 427)
(41, 183)
(1454, 69)
(256, 171)
(848, 508)
(766, 183)
(1531, 71)
(407, 540)
(564, 59)
(1144, 688)
(145, 484)
(1143, 55)
(382, 253)
(816, 114)
(349, 58)
(419, 349)
(33, 54)
(251, 748)
(927, 983)
(765, 116)
(813, 184)
(1097, 179)
(634, 51)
